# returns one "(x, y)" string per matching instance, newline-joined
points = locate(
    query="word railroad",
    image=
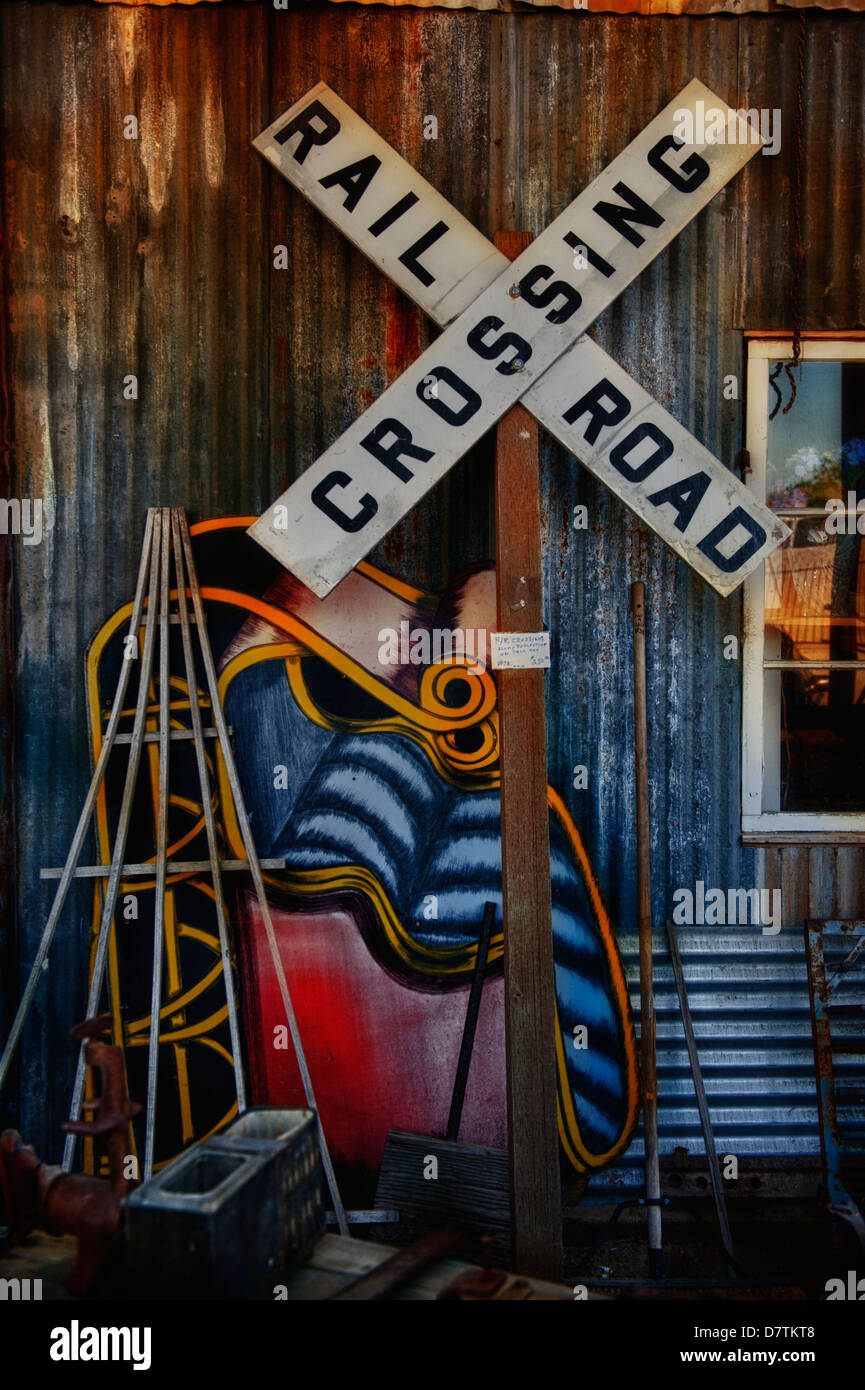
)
(514, 330)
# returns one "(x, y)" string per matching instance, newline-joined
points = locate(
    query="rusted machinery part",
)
(89, 1208)
(42, 1195)
(19, 1169)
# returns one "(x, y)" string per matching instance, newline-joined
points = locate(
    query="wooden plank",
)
(336, 1260)
(470, 1191)
(174, 866)
(530, 1019)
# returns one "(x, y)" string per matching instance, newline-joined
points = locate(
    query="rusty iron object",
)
(820, 990)
(41, 1195)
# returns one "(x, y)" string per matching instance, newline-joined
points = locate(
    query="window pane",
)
(815, 593)
(817, 450)
(818, 764)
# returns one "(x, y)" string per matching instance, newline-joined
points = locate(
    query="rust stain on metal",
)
(402, 332)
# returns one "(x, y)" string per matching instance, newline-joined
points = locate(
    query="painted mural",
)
(366, 736)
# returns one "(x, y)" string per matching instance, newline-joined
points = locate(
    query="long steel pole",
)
(161, 853)
(702, 1099)
(644, 911)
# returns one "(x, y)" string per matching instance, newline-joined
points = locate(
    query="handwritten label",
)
(519, 651)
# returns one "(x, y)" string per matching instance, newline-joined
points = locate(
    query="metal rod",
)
(821, 1029)
(255, 868)
(176, 736)
(110, 900)
(210, 827)
(644, 911)
(68, 871)
(472, 1010)
(702, 1102)
(847, 963)
(161, 856)
(369, 1217)
(173, 866)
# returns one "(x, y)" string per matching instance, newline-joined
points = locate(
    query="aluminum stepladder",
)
(166, 535)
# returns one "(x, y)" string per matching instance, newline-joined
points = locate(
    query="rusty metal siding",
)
(833, 193)
(156, 258)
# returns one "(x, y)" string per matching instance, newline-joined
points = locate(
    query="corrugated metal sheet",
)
(155, 258)
(647, 7)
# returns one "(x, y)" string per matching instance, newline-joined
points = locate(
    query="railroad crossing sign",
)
(514, 331)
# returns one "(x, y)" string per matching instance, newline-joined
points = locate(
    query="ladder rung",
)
(175, 734)
(174, 619)
(172, 866)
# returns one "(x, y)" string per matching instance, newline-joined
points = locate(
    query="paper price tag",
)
(519, 651)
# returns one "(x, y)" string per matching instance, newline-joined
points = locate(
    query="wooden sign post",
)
(510, 333)
(530, 1014)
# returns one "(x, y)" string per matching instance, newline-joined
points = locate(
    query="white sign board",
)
(531, 314)
(395, 217)
(519, 651)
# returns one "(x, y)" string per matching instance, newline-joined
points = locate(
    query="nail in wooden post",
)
(530, 1019)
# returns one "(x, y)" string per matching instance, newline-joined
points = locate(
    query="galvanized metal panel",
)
(647, 7)
(157, 259)
(833, 196)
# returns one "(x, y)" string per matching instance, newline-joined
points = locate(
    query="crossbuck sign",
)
(515, 331)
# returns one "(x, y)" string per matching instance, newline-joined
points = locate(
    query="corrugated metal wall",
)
(155, 258)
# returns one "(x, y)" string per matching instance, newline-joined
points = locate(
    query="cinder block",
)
(290, 1140)
(232, 1215)
(205, 1227)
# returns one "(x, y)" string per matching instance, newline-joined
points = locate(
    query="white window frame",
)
(759, 826)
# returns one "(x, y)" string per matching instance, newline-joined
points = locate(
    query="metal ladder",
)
(166, 534)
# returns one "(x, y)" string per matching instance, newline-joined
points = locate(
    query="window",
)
(803, 764)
